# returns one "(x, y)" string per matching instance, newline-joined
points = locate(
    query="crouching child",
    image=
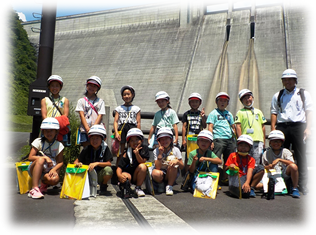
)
(131, 168)
(250, 175)
(279, 158)
(97, 156)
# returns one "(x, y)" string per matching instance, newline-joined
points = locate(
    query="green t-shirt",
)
(251, 123)
(208, 154)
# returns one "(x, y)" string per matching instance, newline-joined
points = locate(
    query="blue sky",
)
(71, 7)
(25, 8)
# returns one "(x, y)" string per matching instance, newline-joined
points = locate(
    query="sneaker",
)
(295, 193)
(43, 187)
(35, 193)
(103, 189)
(139, 192)
(161, 188)
(252, 193)
(169, 191)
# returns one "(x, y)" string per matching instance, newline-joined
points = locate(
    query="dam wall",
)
(151, 49)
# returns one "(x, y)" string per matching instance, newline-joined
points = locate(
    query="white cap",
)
(55, 78)
(50, 123)
(243, 92)
(222, 94)
(162, 95)
(195, 95)
(289, 73)
(97, 129)
(245, 138)
(205, 134)
(134, 132)
(163, 132)
(276, 135)
(95, 80)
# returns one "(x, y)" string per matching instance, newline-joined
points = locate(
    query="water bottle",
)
(271, 185)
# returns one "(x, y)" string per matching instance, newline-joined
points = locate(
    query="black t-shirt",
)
(89, 155)
(193, 120)
(128, 166)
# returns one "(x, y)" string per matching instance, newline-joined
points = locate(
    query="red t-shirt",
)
(244, 163)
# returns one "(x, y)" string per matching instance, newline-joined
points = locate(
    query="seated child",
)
(278, 157)
(98, 156)
(131, 167)
(198, 158)
(168, 160)
(47, 158)
(250, 175)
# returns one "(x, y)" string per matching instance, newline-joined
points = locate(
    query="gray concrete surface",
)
(145, 47)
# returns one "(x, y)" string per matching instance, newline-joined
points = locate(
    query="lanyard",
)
(56, 105)
(253, 119)
(244, 168)
(50, 151)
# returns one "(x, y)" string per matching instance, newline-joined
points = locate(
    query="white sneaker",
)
(169, 191)
(139, 192)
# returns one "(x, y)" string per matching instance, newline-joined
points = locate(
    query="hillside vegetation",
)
(17, 63)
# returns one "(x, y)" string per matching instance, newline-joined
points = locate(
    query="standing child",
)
(127, 116)
(90, 108)
(168, 160)
(166, 117)
(250, 121)
(46, 158)
(56, 106)
(250, 175)
(221, 125)
(131, 167)
(199, 158)
(193, 120)
(97, 156)
(278, 157)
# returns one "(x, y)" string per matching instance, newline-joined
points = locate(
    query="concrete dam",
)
(180, 49)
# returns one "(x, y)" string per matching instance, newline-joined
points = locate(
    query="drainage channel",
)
(136, 214)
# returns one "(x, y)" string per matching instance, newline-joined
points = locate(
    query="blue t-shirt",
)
(222, 121)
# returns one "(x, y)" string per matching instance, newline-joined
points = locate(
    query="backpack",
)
(301, 92)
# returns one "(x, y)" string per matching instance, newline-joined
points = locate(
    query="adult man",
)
(291, 113)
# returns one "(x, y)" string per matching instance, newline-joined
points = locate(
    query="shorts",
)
(256, 170)
(256, 151)
(83, 137)
(284, 175)
(103, 172)
(125, 129)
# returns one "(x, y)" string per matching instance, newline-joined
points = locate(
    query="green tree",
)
(22, 66)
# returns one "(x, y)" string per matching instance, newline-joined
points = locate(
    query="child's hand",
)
(212, 146)
(52, 173)
(174, 163)
(184, 142)
(79, 164)
(246, 188)
(275, 162)
(202, 159)
(203, 112)
(92, 165)
(136, 150)
(195, 158)
(160, 148)
(118, 137)
(49, 162)
(122, 178)
(232, 166)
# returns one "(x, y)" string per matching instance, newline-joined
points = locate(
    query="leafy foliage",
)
(22, 66)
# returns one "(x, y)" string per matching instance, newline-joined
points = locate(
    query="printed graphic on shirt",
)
(194, 123)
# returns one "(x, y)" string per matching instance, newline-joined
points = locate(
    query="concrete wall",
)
(147, 48)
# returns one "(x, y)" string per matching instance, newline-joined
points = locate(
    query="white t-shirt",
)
(89, 113)
(166, 157)
(51, 150)
(268, 157)
(127, 114)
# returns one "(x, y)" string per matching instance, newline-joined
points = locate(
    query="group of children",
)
(220, 138)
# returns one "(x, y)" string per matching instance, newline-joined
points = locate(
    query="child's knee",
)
(142, 167)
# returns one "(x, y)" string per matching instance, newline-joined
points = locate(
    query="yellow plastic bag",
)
(191, 143)
(75, 181)
(211, 193)
(23, 177)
